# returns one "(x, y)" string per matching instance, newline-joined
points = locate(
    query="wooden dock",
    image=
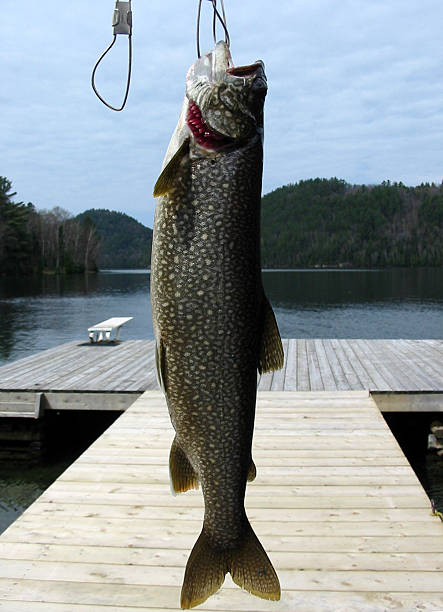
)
(335, 503)
(78, 376)
(83, 376)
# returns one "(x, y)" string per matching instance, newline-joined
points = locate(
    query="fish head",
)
(225, 102)
(222, 111)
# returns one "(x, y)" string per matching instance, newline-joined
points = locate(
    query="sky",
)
(355, 91)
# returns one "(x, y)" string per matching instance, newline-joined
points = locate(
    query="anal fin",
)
(183, 476)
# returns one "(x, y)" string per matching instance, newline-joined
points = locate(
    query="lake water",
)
(40, 313)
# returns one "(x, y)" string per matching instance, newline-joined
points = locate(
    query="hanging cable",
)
(216, 16)
(122, 24)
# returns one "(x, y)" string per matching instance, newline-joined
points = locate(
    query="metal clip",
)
(122, 24)
(122, 18)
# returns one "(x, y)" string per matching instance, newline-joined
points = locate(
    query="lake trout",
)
(213, 325)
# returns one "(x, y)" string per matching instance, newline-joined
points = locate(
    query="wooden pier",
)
(335, 503)
(83, 376)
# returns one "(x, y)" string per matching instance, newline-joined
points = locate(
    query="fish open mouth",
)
(244, 71)
(203, 134)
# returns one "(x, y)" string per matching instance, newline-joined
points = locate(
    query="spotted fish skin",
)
(206, 301)
(212, 323)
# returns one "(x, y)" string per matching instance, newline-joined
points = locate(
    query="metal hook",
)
(222, 19)
(122, 24)
(216, 15)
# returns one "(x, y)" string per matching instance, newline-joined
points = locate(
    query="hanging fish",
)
(213, 325)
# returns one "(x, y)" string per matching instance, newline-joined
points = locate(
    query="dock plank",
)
(371, 365)
(278, 379)
(315, 372)
(380, 366)
(337, 368)
(93, 517)
(411, 363)
(430, 356)
(290, 381)
(310, 580)
(22, 373)
(343, 517)
(286, 560)
(303, 381)
(123, 597)
(327, 377)
(363, 375)
(336, 499)
(388, 366)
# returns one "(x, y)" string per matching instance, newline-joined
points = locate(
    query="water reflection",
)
(43, 312)
(21, 487)
(25, 475)
(299, 288)
(394, 303)
(75, 285)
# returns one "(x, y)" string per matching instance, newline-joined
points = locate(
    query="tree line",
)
(312, 223)
(126, 243)
(328, 222)
(34, 241)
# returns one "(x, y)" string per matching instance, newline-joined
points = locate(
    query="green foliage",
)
(125, 243)
(16, 243)
(326, 222)
(53, 241)
(313, 223)
(42, 241)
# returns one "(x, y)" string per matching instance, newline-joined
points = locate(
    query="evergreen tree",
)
(16, 243)
(326, 222)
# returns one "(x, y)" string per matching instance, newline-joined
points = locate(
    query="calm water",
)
(41, 313)
(399, 303)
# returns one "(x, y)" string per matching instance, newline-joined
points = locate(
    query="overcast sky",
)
(355, 91)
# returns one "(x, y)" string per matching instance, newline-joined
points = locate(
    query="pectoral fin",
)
(167, 179)
(271, 349)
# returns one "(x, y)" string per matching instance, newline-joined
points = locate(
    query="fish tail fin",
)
(182, 474)
(252, 570)
(205, 572)
(248, 565)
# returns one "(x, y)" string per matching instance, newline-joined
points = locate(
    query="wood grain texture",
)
(379, 366)
(346, 523)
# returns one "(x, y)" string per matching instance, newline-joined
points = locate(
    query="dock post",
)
(38, 406)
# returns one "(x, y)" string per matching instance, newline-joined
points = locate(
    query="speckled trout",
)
(213, 325)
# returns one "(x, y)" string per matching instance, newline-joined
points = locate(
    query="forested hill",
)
(125, 243)
(326, 222)
(37, 241)
(318, 222)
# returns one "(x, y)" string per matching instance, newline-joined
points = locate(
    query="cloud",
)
(355, 91)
